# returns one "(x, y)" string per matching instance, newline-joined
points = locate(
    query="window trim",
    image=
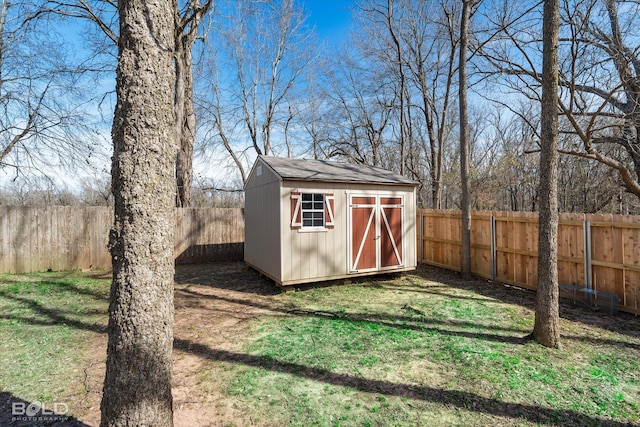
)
(297, 221)
(313, 211)
(310, 229)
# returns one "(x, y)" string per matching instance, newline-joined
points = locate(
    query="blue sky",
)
(331, 18)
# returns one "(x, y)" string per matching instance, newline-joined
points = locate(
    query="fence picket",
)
(613, 255)
(72, 237)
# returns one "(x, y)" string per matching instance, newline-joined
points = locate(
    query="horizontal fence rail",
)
(72, 237)
(598, 255)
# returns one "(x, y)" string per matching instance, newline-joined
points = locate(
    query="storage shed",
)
(314, 220)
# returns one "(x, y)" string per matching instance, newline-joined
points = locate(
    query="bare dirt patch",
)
(213, 303)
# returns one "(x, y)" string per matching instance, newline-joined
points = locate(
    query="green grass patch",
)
(372, 355)
(45, 321)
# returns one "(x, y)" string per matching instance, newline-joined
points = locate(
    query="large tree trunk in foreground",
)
(137, 387)
(546, 330)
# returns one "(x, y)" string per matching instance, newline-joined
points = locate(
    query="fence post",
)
(588, 271)
(421, 237)
(494, 266)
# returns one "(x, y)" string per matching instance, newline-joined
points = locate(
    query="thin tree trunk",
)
(186, 34)
(137, 386)
(464, 138)
(179, 105)
(187, 119)
(546, 330)
(401, 75)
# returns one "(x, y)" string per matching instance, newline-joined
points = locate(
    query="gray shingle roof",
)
(323, 170)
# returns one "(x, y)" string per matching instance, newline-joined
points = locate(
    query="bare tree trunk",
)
(402, 91)
(186, 33)
(180, 107)
(185, 120)
(287, 123)
(137, 386)
(435, 113)
(546, 330)
(464, 138)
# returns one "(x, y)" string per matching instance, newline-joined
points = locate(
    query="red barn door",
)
(375, 231)
(363, 233)
(391, 212)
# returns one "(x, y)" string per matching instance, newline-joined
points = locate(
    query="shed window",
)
(312, 210)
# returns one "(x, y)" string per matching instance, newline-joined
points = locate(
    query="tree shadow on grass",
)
(55, 285)
(51, 316)
(425, 275)
(238, 277)
(420, 323)
(21, 413)
(621, 323)
(233, 276)
(453, 398)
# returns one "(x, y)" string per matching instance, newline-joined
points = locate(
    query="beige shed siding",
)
(266, 177)
(325, 254)
(262, 222)
(315, 254)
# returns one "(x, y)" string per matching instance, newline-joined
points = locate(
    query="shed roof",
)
(327, 171)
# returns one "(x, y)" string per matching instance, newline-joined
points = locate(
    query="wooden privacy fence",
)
(597, 254)
(72, 237)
